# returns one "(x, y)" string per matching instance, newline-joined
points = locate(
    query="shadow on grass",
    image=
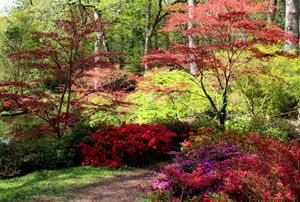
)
(128, 187)
(55, 185)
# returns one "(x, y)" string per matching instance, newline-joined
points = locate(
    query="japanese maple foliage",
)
(227, 34)
(63, 75)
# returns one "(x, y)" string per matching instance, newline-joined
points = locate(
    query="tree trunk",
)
(191, 5)
(98, 43)
(148, 29)
(223, 111)
(272, 10)
(292, 23)
(99, 35)
(167, 41)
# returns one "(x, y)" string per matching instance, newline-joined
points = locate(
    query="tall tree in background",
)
(152, 25)
(148, 29)
(85, 6)
(292, 24)
(191, 6)
(16, 33)
(98, 41)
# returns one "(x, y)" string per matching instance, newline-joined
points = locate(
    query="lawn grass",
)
(53, 185)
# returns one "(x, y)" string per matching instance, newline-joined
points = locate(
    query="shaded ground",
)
(127, 187)
(81, 184)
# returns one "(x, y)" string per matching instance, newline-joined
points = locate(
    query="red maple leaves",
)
(228, 34)
(63, 74)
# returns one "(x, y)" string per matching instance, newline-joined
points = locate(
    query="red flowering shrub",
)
(128, 144)
(211, 134)
(273, 170)
(257, 169)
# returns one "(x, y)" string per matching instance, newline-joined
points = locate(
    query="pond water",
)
(10, 124)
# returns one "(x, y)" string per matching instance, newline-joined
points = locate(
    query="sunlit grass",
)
(53, 185)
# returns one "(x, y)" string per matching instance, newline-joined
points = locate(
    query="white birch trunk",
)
(191, 5)
(292, 23)
(98, 43)
(148, 29)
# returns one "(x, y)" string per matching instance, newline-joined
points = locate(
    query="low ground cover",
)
(54, 185)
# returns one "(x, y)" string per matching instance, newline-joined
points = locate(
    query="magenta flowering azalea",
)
(258, 170)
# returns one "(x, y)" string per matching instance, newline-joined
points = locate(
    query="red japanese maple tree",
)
(227, 33)
(63, 74)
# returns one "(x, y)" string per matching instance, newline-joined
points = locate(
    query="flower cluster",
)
(256, 170)
(127, 144)
(192, 171)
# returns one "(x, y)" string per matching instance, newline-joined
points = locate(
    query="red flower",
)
(132, 143)
(191, 133)
(8, 104)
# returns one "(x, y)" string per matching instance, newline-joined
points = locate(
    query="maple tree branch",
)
(206, 93)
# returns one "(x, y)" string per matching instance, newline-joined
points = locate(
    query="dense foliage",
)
(63, 66)
(131, 144)
(166, 95)
(235, 29)
(239, 169)
(28, 153)
(219, 93)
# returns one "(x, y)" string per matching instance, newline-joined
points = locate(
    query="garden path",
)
(127, 187)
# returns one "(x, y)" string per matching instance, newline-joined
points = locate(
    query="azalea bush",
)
(192, 172)
(240, 168)
(131, 144)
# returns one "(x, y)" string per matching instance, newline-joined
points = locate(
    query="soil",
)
(130, 186)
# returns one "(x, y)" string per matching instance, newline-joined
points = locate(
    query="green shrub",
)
(204, 122)
(26, 155)
(159, 195)
(285, 104)
(23, 155)
(275, 128)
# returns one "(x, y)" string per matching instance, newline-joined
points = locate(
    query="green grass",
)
(53, 185)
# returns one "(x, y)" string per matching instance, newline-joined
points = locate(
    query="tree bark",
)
(191, 5)
(148, 29)
(151, 27)
(98, 43)
(99, 35)
(292, 24)
(272, 10)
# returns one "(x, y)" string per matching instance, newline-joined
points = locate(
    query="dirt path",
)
(128, 187)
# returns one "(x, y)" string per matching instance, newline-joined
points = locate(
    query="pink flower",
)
(279, 184)
(289, 195)
(186, 143)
